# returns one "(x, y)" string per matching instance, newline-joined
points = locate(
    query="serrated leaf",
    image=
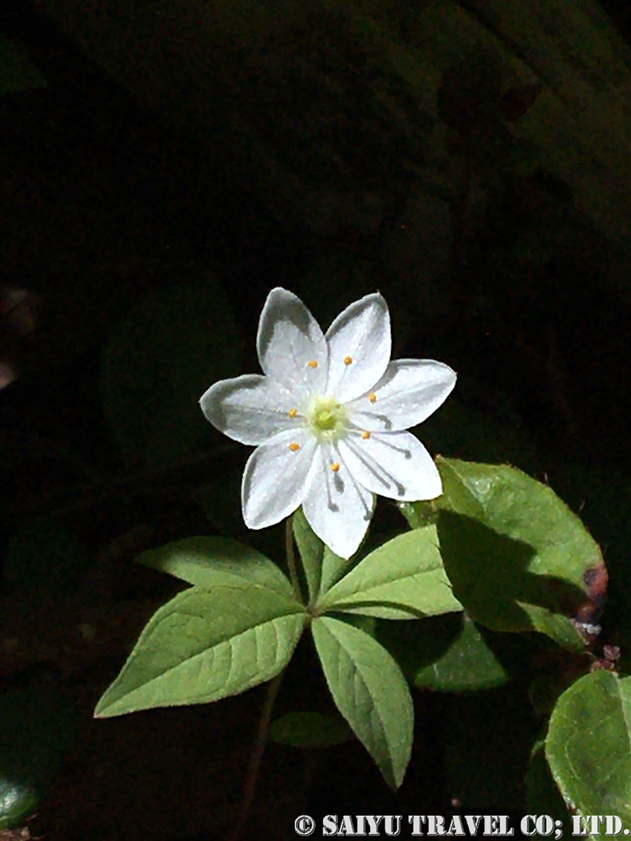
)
(205, 645)
(370, 691)
(403, 579)
(158, 362)
(588, 746)
(310, 730)
(517, 557)
(311, 550)
(208, 561)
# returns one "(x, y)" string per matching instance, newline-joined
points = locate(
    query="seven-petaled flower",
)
(329, 419)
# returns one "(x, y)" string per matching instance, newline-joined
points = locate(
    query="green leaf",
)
(38, 727)
(208, 561)
(588, 746)
(205, 645)
(311, 550)
(44, 557)
(333, 568)
(449, 653)
(517, 557)
(159, 361)
(310, 730)
(17, 71)
(542, 795)
(370, 692)
(403, 579)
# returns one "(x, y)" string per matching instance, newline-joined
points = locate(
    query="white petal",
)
(336, 506)
(275, 478)
(289, 338)
(393, 464)
(407, 394)
(361, 334)
(249, 409)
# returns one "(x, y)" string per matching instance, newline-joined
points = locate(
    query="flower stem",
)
(291, 557)
(254, 766)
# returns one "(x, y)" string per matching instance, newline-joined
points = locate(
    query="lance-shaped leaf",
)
(205, 645)
(311, 550)
(517, 557)
(588, 746)
(208, 561)
(370, 691)
(403, 579)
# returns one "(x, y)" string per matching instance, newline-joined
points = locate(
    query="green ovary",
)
(327, 418)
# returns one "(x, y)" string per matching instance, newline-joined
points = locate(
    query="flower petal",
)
(393, 464)
(249, 409)
(336, 506)
(291, 346)
(407, 394)
(276, 477)
(359, 347)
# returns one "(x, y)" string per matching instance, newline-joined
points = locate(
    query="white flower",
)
(328, 419)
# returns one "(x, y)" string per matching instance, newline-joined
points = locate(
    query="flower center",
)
(327, 418)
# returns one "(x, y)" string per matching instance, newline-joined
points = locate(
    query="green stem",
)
(291, 557)
(251, 777)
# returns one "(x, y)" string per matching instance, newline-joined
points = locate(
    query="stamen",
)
(335, 466)
(312, 363)
(293, 413)
(294, 447)
(348, 360)
(366, 435)
(372, 397)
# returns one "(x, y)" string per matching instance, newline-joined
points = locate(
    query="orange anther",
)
(372, 397)
(293, 413)
(294, 447)
(312, 363)
(366, 435)
(335, 466)
(348, 360)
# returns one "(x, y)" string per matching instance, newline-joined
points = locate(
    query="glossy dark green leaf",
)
(157, 364)
(517, 557)
(542, 795)
(588, 746)
(205, 645)
(38, 727)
